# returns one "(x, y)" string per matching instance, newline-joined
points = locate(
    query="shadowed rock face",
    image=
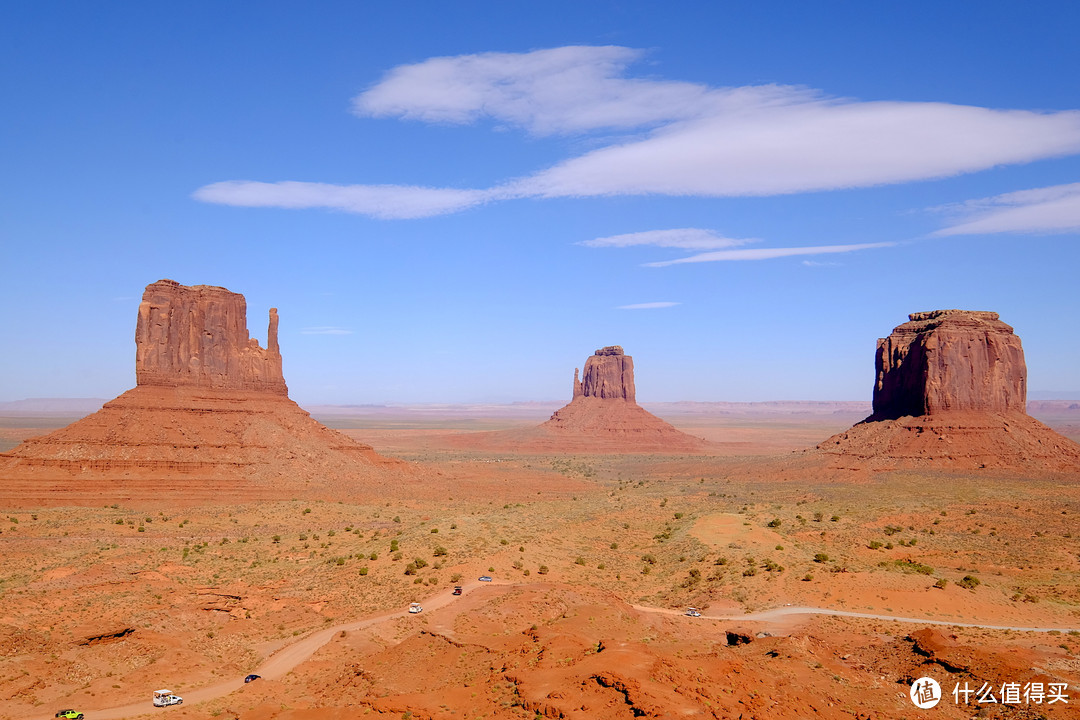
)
(609, 374)
(197, 336)
(949, 361)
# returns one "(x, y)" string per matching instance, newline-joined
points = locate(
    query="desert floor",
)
(595, 558)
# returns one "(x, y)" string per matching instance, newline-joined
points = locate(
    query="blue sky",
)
(458, 202)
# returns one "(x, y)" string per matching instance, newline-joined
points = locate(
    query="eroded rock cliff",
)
(949, 361)
(197, 336)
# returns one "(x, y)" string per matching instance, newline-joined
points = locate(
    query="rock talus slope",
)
(209, 420)
(951, 392)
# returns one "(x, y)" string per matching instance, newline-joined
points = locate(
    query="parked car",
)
(693, 612)
(249, 678)
(415, 608)
(457, 589)
(485, 578)
(70, 714)
(165, 698)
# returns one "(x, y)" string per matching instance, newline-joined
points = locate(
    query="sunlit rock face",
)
(197, 336)
(949, 361)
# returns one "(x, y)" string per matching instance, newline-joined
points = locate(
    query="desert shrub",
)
(821, 558)
(456, 577)
(749, 572)
(835, 518)
(277, 538)
(440, 551)
(542, 570)
(614, 546)
(579, 560)
(306, 511)
(678, 516)
(396, 556)
(875, 545)
(410, 569)
(373, 556)
(775, 523)
(434, 530)
(518, 565)
(420, 563)
(651, 559)
(941, 583)
(397, 518)
(969, 582)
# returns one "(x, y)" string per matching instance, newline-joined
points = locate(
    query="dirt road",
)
(292, 655)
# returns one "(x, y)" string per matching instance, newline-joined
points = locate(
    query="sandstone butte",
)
(950, 392)
(209, 419)
(603, 417)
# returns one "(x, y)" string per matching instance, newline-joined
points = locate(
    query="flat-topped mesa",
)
(949, 361)
(197, 336)
(609, 374)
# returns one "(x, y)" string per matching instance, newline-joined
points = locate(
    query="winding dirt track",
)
(289, 656)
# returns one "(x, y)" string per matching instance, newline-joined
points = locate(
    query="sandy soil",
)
(595, 557)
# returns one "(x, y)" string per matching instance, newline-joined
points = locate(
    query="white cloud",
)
(1054, 209)
(817, 263)
(767, 253)
(648, 306)
(325, 330)
(686, 238)
(809, 145)
(380, 201)
(667, 137)
(557, 90)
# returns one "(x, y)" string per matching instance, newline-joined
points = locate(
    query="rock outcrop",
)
(603, 417)
(951, 392)
(209, 420)
(197, 337)
(609, 374)
(949, 361)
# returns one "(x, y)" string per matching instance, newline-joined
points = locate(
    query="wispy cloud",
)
(667, 137)
(767, 253)
(379, 201)
(1054, 209)
(818, 263)
(648, 306)
(325, 330)
(686, 238)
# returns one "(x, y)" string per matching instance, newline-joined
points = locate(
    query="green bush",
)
(969, 582)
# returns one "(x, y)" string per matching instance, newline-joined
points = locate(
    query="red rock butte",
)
(951, 392)
(209, 420)
(603, 417)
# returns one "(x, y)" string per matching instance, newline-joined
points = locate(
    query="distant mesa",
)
(603, 417)
(951, 391)
(209, 420)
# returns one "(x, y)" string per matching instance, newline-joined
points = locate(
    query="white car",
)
(693, 612)
(415, 608)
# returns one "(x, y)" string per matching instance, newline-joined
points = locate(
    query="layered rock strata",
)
(210, 420)
(951, 392)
